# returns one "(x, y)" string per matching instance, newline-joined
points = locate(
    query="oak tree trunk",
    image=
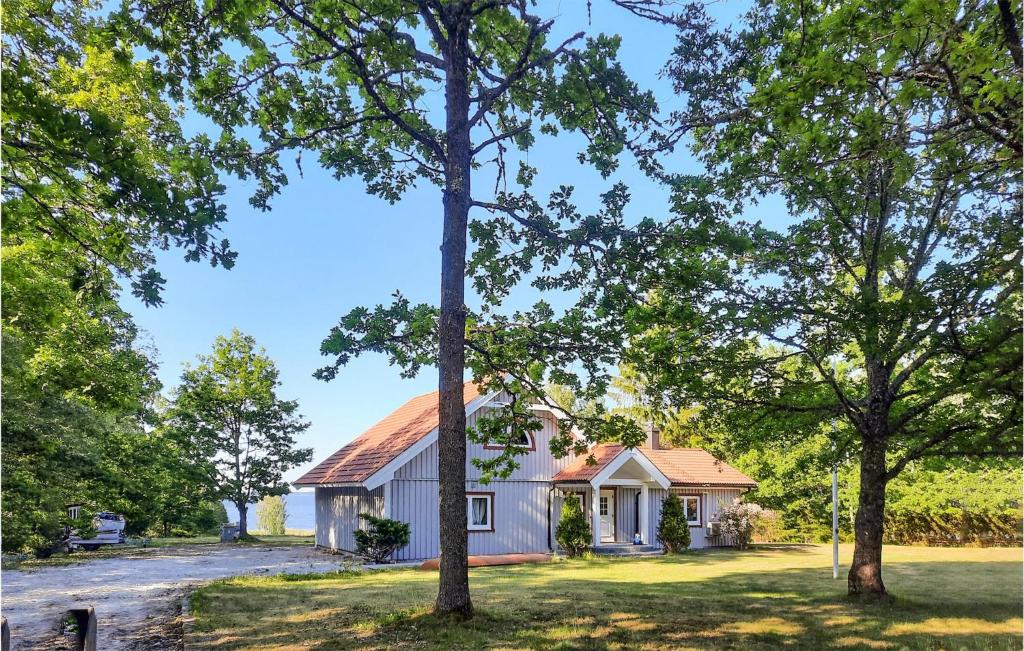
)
(865, 578)
(453, 589)
(243, 525)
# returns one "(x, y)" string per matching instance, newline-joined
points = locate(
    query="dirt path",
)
(137, 598)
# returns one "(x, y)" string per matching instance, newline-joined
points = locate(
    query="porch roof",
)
(682, 467)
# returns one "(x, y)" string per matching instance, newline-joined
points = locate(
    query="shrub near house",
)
(381, 539)
(673, 529)
(573, 534)
(738, 522)
(272, 515)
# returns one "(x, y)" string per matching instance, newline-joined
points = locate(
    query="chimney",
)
(653, 441)
(656, 442)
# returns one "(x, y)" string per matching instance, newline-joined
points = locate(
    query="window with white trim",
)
(523, 439)
(479, 511)
(691, 507)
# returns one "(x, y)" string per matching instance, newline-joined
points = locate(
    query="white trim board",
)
(387, 472)
(620, 459)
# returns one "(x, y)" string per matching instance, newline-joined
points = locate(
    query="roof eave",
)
(387, 472)
(696, 484)
(326, 484)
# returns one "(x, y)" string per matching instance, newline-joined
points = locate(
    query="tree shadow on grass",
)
(938, 605)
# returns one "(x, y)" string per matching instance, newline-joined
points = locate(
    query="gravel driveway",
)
(137, 598)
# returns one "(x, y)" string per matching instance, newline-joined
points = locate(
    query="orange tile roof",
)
(682, 466)
(379, 445)
(580, 470)
(693, 466)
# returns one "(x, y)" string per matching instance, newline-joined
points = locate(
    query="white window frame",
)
(490, 511)
(686, 496)
(529, 446)
(696, 521)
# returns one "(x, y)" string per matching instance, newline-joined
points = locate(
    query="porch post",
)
(595, 514)
(644, 515)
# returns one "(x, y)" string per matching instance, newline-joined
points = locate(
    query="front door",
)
(607, 507)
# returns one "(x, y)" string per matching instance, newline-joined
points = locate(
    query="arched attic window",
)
(525, 440)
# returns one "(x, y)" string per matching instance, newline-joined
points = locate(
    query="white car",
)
(109, 531)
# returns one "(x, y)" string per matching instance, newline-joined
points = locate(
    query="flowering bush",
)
(738, 521)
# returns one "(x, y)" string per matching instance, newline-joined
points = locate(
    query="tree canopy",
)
(93, 155)
(96, 176)
(889, 296)
(237, 431)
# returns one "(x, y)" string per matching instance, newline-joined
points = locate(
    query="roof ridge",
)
(430, 393)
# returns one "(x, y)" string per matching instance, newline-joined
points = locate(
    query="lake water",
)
(299, 509)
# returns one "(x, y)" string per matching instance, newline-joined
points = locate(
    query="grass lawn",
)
(768, 597)
(135, 549)
(302, 538)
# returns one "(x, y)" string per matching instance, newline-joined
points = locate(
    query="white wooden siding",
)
(625, 513)
(337, 514)
(537, 465)
(712, 500)
(520, 515)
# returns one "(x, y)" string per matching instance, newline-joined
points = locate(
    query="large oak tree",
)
(358, 84)
(888, 297)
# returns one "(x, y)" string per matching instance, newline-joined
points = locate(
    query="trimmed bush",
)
(573, 532)
(673, 529)
(381, 539)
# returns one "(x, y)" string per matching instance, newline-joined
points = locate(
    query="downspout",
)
(636, 514)
(551, 548)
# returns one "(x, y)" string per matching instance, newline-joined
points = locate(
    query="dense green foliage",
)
(382, 538)
(673, 530)
(96, 176)
(272, 515)
(970, 503)
(955, 506)
(889, 297)
(573, 531)
(967, 503)
(94, 159)
(238, 434)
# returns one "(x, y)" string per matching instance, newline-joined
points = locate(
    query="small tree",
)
(240, 434)
(272, 515)
(573, 532)
(383, 538)
(738, 522)
(673, 529)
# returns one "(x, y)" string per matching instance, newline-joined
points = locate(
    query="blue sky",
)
(327, 246)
